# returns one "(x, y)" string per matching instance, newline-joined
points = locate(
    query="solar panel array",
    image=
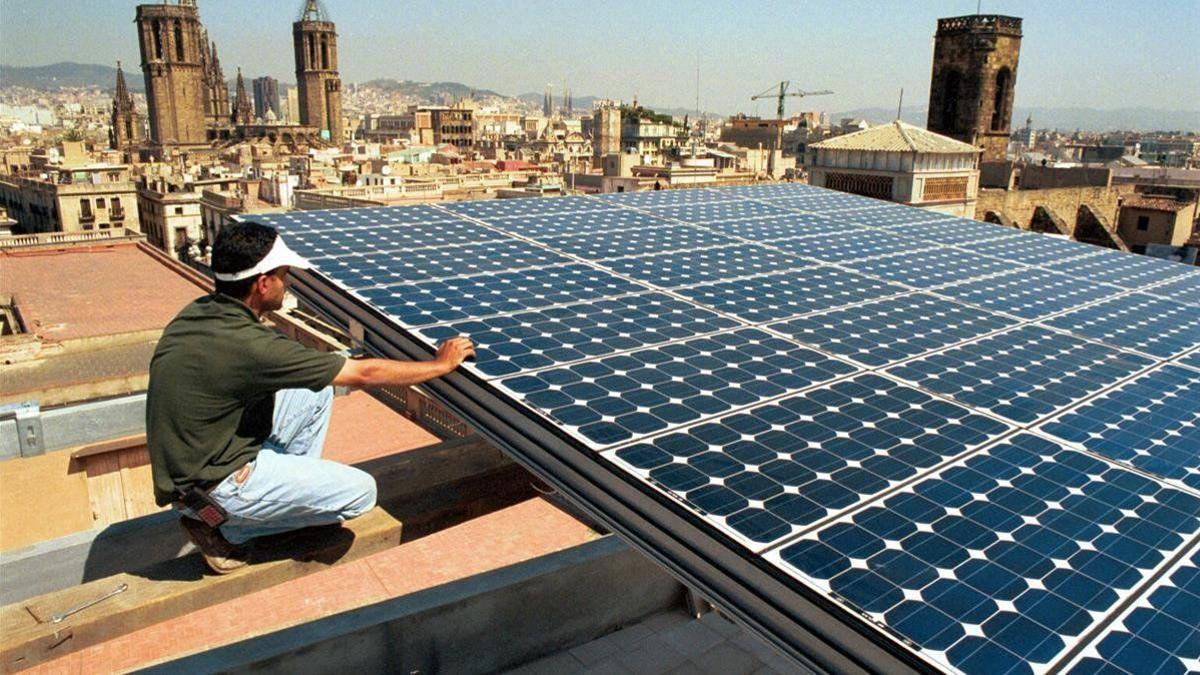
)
(986, 441)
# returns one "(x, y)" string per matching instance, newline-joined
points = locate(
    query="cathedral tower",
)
(315, 41)
(243, 110)
(125, 133)
(974, 75)
(170, 39)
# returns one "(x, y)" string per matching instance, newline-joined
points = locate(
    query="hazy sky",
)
(1098, 53)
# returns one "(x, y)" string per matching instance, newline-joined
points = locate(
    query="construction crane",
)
(783, 92)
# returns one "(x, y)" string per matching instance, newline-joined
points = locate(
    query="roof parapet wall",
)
(980, 23)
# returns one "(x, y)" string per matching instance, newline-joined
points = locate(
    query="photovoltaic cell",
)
(1158, 634)
(428, 302)
(889, 216)
(1003, 560)
(893, 329)
(377, 269)
(1151, 423)
(1029, 293)
(768, 472)
(669, 270)
(502, 208)
(954, 231)
(778, 296)
(1138, 321)
(1127, 270)
(512, 343)
(1024, 374)
(337, 219)
(931, 267)
(667, 197)
(717, 211)
(637, 242)
(1192, 360)
(623, 397)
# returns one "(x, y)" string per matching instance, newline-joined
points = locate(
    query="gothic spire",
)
(122, 96)
(243, 112)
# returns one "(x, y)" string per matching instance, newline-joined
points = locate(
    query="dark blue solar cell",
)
(842, 246)
(1021, 574)
(1163, 404)
(892, 329)
(381, 269)
(784, 227)
(707, 212)
(386, 237)
(1024, 374)
(953, 231)
(776, 296)
(1151, 325)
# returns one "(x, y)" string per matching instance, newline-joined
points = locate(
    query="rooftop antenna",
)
(978, 4)
(900, 105)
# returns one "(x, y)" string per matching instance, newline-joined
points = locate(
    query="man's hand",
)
(454, 351)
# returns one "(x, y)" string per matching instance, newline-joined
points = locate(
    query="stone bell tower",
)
(974, 76)
(320, 89)
(170, 39)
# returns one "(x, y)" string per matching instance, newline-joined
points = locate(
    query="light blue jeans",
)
(289, 486)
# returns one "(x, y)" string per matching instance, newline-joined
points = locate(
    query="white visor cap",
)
(277, 257)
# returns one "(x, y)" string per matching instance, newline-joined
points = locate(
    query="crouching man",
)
(236, 414)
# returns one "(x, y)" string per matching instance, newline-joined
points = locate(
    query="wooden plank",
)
(137, 440)
(167, 590)
(137, 483)
(105, 492)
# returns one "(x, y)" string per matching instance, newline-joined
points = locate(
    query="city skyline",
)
(1079, 65)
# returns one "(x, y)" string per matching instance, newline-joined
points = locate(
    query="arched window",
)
(156, 28)
(951, 90)
(999, 104)
(324, 54)
(178, 41)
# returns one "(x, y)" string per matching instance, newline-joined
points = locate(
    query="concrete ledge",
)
(481, 624)
(31, 636)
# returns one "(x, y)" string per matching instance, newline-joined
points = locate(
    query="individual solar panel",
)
(1159, 633)
(715, 211)
(954, 231)
(336, 242)
(376, 269)
(1000, 562)
(445, 300)
(772, 190)
(1024, 374)
(768, 472)
(337, 219)
(929, 268)
(845, 246)
(667, 197)
(799, 291)
(823, 202)
(1138, 321)
(1151, 423)
(502, 208)
(785, 227)
(668, 270)
(637, 242)
(1033, 249)
(1185, 289)
(1127, 270)
(1029, 293)
(1192, 359)
(888, 217)
(622, 397)
(573, 223)
(886, 331)
(512, 343)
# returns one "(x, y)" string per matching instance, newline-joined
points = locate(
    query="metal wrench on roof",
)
(61, 616)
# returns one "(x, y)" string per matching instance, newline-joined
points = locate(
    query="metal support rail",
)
(808, 626)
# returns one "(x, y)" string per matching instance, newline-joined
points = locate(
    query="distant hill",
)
(1063, 119)
(432, 92)
(68, 74)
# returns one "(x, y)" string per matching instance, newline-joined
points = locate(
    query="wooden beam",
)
(176, 587)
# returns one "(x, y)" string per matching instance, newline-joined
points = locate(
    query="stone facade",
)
(125, 132)
(974, 77)
(320, 87)
(170, 39)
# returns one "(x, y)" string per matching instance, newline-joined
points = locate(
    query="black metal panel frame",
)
(810, 627)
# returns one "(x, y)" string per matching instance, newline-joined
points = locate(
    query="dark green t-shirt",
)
(211, 398)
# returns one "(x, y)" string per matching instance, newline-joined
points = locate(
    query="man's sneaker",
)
(222, 557)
